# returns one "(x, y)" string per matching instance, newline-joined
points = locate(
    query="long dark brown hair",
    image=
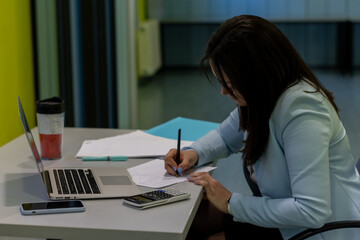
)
(261, 64)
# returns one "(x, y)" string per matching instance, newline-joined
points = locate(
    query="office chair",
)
(328, 226)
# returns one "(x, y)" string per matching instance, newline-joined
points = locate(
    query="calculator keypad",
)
(155, 198)
(163, 194)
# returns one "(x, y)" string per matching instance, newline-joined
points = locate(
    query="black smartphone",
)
(51, 207)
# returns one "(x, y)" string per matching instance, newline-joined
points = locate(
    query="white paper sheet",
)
(153, 174)
(134, 144)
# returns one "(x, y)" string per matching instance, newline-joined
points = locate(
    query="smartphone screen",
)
(51, 207)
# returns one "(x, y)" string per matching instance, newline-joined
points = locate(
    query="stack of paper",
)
(134, 144)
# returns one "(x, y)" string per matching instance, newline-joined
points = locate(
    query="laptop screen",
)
(30, 139)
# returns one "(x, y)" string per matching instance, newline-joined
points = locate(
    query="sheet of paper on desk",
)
(153, 174)
(134, 144)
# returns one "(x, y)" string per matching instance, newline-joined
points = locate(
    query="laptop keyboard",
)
(75, 181)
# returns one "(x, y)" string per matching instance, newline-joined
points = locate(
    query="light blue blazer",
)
(306, 175)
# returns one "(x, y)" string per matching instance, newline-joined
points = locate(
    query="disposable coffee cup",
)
(50, 118)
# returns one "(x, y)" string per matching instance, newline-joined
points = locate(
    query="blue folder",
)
(191, 129)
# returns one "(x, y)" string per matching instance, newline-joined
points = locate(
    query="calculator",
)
(155, 198)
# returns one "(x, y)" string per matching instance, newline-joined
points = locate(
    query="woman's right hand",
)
(188, 158)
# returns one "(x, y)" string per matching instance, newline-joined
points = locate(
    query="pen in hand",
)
(177, 160)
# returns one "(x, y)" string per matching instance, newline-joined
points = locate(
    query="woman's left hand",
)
(216, 193)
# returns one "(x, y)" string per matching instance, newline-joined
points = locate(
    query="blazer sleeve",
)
(221, 142)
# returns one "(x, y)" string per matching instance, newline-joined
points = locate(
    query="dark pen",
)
(177, 160)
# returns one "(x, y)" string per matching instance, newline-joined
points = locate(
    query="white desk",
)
(103, 219)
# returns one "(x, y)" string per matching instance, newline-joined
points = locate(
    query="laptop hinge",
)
(46, 177)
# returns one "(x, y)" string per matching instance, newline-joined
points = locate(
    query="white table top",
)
(103, 219)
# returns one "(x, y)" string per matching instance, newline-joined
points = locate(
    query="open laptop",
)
(80, 183)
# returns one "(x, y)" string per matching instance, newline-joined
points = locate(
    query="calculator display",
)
(141, 199)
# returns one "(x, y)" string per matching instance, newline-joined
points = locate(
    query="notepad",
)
(153, 174)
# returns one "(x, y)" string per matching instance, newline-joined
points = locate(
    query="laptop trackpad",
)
(115, 180)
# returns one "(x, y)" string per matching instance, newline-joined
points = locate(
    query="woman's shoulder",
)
(298, 99)
(301, 89)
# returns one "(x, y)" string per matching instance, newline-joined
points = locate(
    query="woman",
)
(293, 144)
